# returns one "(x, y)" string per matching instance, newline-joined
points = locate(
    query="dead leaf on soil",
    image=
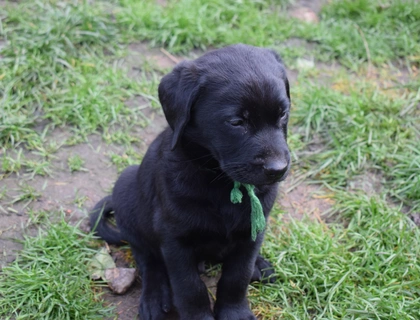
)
(99, 263)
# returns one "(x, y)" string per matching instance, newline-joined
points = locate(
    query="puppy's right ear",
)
(178, 91)
(284, 75)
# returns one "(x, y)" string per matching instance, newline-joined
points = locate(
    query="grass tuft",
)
(75, 163)
(49, 279)
(186, 24)
(56, 69)
(363, 128)
(367, 270)
(366, 30)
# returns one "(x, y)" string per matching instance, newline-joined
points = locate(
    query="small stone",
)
(305, 14)
(120, 279)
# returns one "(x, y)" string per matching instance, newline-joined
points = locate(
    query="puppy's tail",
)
(99, 223)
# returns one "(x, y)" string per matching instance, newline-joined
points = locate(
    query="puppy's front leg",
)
(231, 302)
(189, 292)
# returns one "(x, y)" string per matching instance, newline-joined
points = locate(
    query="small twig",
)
(170, 56)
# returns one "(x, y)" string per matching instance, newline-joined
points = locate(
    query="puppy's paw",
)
(155, 305)
(197, 317)
(234, 312)
(263, 271)
(194, 310)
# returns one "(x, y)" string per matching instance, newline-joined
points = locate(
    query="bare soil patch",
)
(73, 192)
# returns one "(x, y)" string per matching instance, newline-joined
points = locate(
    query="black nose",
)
(275, 169)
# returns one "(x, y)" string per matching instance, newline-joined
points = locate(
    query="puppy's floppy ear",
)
(286, 81)
(178, 91)
(284, 76)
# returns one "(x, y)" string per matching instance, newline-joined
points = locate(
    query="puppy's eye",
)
(237, 122)
(282, 114)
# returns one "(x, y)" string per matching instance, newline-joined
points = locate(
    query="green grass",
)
(55, 66)
(49, 280)
(362, 129)
(351, 31)
(365, 30)
(61, 69)
(75, 163)
(128, 158)
(26, 193)
(56, 69)
(367, 270)
(186, 24)
(403, 176)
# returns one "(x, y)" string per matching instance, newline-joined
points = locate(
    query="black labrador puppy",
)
(227, 113)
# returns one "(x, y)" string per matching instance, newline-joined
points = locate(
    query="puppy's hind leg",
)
(263, 271)
(156, 296)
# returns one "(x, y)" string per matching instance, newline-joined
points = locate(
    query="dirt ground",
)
(77, 192)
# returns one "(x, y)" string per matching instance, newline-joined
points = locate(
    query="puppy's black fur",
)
(227, 113)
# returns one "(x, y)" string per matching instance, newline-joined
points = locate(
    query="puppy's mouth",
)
(256, 175)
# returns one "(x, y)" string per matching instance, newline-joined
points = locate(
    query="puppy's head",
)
(233, 102)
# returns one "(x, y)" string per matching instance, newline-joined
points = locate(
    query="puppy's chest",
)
(217, 214)
(213, 248)
(228, 224)
(219, 225)
(223, 217)
(235, 217)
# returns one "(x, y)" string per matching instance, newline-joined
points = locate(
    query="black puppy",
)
(228, 112)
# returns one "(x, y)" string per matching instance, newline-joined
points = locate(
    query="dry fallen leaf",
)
(99, 263)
